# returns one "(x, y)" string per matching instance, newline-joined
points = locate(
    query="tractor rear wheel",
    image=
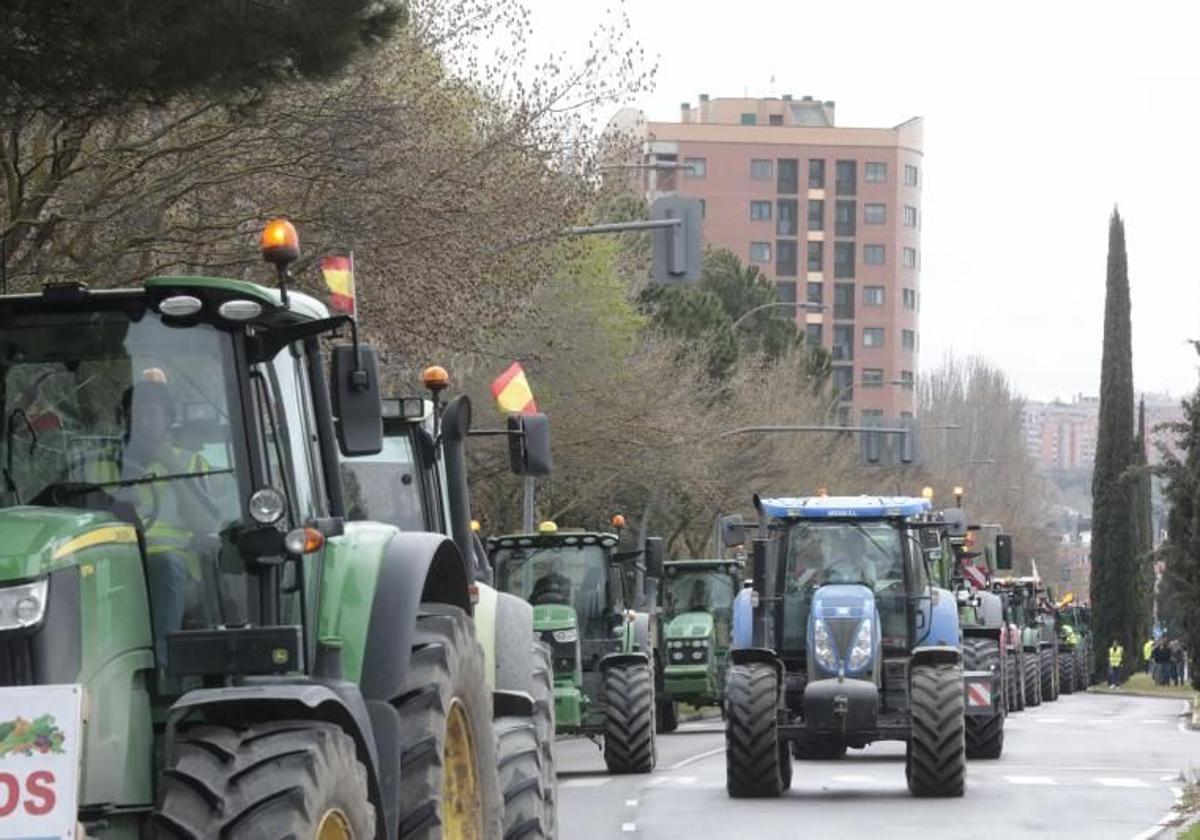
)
(1046, 669)
(451, 786)
(1015, 682)
(985, 735)
(542, 691)
(629, 718)
(1033, 680)
(818, 748)
(519, 760)
(295, 778)
(754, 756)
(1081, 668)
(1066, 671)
(937, 754)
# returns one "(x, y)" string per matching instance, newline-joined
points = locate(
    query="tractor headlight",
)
(23, 605)
(860, 651)
(823, 650)
(698, 655)
(677, 655)
(566, 637)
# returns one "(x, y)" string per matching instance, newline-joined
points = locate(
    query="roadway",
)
(1087, 766)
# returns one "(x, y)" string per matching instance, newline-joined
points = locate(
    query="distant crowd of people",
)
(1166, 661)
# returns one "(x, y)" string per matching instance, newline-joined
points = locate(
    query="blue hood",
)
(842, 609)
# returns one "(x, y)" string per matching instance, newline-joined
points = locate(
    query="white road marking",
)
(1152, 721)
(671, 781)
(699, 757)
(631, 803)
(1173, 778)
(1048, 720)
(1030, 780)
(1168, 819)
(586, 783)
(629, 826)
(851, 778)
(1120, 782)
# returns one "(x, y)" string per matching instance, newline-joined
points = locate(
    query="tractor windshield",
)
(844, 552)
(697, 590)
(574, 575)
(123, 413)
(385, 487)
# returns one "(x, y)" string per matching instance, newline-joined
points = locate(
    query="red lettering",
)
(42, 799)
(12, 794)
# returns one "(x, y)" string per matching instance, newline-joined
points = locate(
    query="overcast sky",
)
(1039, 117)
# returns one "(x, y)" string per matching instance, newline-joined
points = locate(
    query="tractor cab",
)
(697, 612)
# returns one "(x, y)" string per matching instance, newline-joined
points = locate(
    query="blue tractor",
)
(844, 639)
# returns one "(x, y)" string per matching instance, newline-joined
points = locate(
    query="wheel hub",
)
(334, 826)
(462, 800)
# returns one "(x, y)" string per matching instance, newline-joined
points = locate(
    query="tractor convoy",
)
(259, 586)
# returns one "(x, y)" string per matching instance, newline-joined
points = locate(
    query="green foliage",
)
(1114, 579)
(68, 57)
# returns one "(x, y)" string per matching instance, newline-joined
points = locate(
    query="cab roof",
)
(843, 507)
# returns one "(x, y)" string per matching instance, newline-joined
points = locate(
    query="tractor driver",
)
(846, 560)
(551, 588)
(698, 602)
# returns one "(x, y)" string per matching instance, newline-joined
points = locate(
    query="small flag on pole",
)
(512, 393)
(339, 277)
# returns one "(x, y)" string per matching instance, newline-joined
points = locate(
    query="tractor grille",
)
(562, 655)
(16, 660)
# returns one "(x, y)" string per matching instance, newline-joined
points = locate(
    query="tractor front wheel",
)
(755, 758)
(985, 735)
(519, 760)
(1033, 680)
(295, 778)
(1046, 668)
(1066, 671)
(542, 691)
(629, 718)
(937, 750)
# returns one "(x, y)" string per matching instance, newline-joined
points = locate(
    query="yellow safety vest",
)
(1115, 655)
(1147, 649)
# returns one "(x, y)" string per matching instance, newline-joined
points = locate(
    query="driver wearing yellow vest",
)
(173, 511)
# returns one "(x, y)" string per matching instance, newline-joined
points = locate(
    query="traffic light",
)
(676, 252)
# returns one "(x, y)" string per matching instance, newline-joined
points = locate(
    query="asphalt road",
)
(1087, 766)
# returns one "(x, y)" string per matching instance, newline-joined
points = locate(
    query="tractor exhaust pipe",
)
(456, 425)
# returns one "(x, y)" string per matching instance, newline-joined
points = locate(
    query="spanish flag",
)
(339, 277)
(511, 390)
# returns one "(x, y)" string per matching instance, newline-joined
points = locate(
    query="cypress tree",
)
(1143, 524)
(1114, 588)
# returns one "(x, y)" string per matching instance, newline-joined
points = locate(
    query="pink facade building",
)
(831, 214)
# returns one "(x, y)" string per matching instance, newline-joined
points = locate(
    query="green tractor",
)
(1031, 612)
(1072, 646)
(697, 610)
(418, 482)
(593, 605)
(243, 661)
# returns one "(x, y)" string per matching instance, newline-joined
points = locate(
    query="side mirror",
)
(733, 530)
(357, 407)
(654, 557)
(529, 444)
(1004, 556)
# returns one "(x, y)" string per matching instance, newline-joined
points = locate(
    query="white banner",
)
(40, 730)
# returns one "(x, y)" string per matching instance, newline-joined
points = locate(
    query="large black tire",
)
(542, 692)
(277, 779)
(754, 757)
(1033, 679)
(818, 748)
(1066, 671)
(1046, 670)
(519, 760)
(985, 735)
(1016, 682)
(937, 753)
(444, 693)
(629, 718)
(1081, 667)
(667, 719)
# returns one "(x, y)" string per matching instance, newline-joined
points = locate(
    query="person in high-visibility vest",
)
(1147, 653)
(1116, 655)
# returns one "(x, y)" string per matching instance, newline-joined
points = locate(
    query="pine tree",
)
(1114, 595)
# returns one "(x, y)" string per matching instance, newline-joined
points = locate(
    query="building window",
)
(908, 340)
(760, 211)
(872, 295)
(843, 259)
(816, 293)
(775, 119)
(906, 415)
(843, 217)
(875, 214)
(907, 380)
(787, 291)
(816, 256)
(787, 224)
(872, 377)
(873, 254)
(749, 119)
(910, 298)
(785, 258)
(787, 179)
(910, 216)
(816, 214)
(761, 170)
(872, 416)
(910, 175)
(814, 334)
(816, 174)
(847, 177)
(910, 257)
(664, 179)
(872, 336)
(876, 173)
(843, 301)
(760, 252)
(843, 343)
(842, 381)
(695, 167)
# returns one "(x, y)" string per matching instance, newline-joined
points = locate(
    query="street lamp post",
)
(761, 307)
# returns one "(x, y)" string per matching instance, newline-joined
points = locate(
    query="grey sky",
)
(1038, 118)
